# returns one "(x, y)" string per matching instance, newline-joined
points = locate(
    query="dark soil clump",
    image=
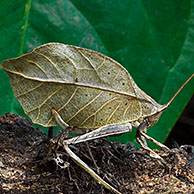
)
(27, 165)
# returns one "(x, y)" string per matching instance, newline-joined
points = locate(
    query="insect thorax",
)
(153, 119)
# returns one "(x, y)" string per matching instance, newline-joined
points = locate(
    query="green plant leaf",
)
(152, 39)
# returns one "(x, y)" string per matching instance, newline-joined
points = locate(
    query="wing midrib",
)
(73, 83)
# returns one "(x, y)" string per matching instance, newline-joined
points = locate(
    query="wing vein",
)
(40, 105)
(29, 61)
(48, 59)
(113, 112)
(32, 89)
(86, 58)
(73, 94)
(126, 109)
(76, 84)
(99, 109)
(84, 107)
(101, 64)
(70, 60)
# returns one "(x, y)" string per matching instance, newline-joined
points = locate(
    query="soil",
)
(28, 165)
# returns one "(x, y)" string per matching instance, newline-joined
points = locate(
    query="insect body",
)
(88, 89)
(65, 85)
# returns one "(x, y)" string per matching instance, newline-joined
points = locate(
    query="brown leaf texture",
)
(88, 89)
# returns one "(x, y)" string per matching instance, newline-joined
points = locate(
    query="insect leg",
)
(142, 130)
(100, 132)
(165, 148)
(104, 131)
(67, 129)
(59, 120)
(88, 169)
(141, 140)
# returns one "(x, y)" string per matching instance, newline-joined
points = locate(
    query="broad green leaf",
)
(12, 22)
(152, 39)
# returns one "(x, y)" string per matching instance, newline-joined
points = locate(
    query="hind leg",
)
(95, 134)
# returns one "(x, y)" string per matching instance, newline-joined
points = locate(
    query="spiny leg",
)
(140, 137)
(98, 133)
(162, 146)
(151, 152)
(65, 126)
(104, 131)
(88, 169)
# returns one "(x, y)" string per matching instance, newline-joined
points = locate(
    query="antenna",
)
(168, 104)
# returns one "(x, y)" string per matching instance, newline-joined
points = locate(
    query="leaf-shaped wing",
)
(88, 89)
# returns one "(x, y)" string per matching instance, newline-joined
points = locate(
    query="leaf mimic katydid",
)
(65, 85)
